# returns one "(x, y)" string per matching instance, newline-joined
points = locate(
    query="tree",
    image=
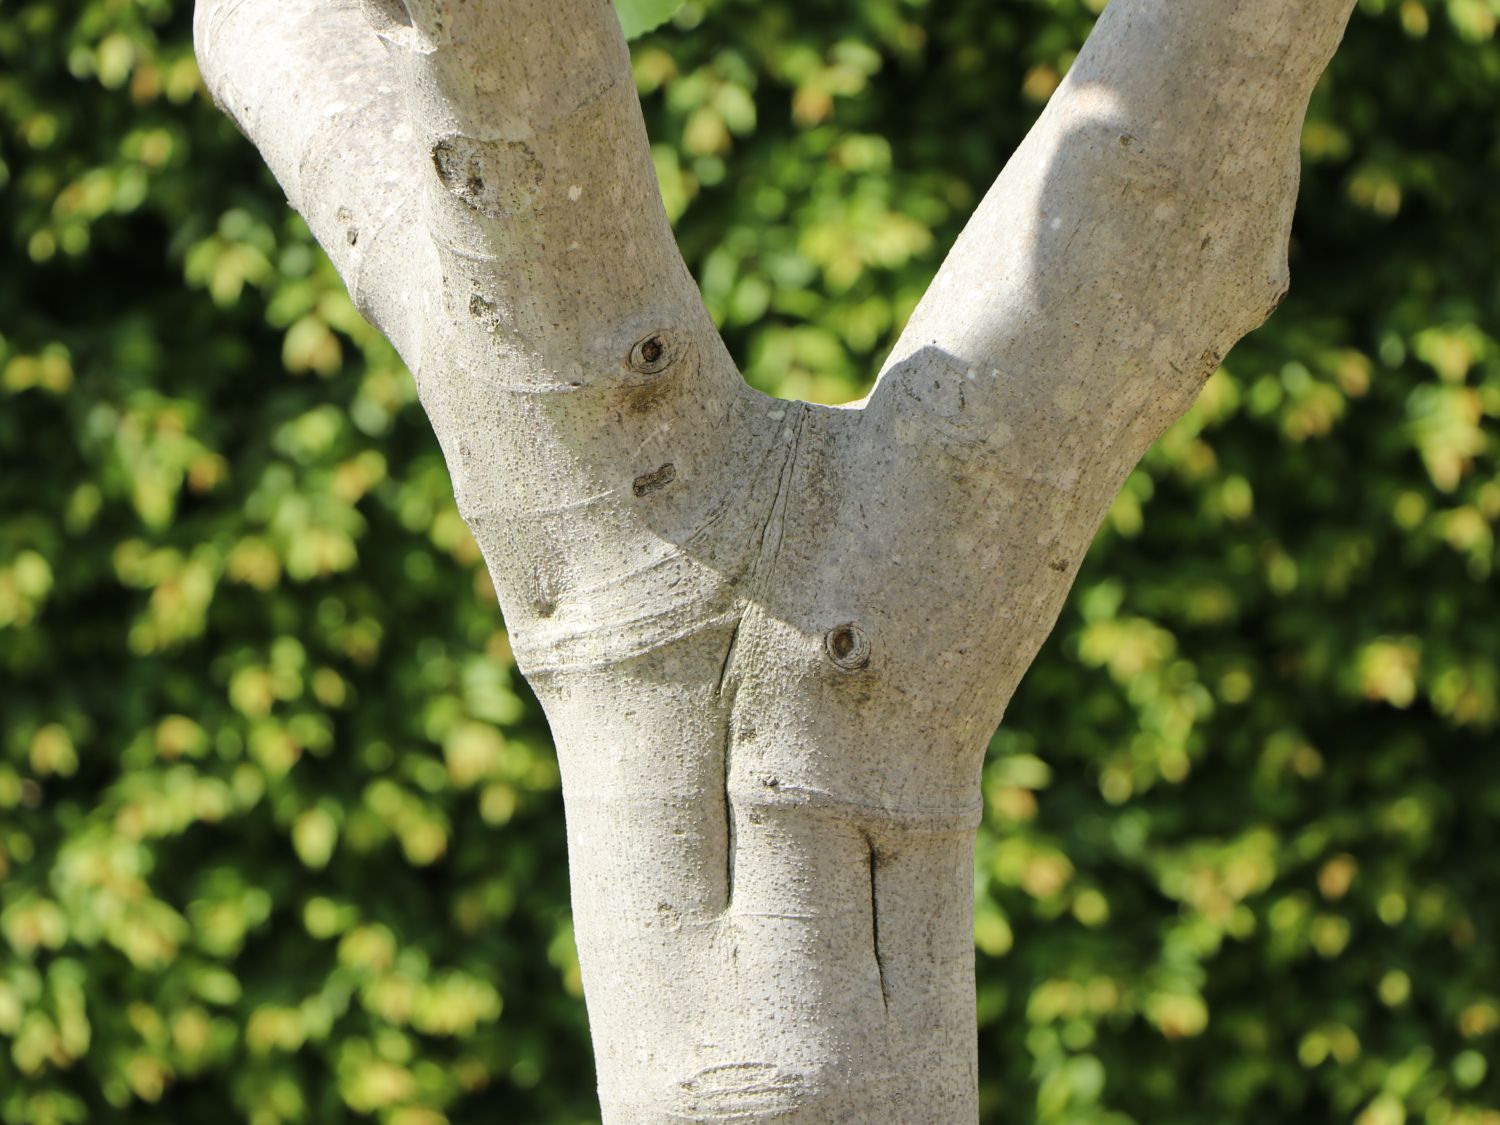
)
(741, 613)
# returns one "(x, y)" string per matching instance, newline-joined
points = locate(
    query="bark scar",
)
(496, 178)
(647, 483)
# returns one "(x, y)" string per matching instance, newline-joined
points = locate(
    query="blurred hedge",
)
(280, 837)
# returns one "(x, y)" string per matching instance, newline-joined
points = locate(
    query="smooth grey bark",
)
(773, 638)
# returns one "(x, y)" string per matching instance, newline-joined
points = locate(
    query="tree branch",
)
(1142, 226)
(1136, 234)
(479, 172)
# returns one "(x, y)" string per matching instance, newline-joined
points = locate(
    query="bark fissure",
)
(719, 687)
(768, 548)
(729, 828)
(724, 692)
(885, 995)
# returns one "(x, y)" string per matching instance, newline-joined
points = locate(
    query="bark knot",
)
(351, 229)
(848, 647)
(651, 355)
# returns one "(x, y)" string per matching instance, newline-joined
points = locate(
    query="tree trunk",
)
(772, 638)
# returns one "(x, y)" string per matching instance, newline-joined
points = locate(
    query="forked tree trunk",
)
(773, 638)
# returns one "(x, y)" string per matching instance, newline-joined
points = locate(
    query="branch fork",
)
(773, 638)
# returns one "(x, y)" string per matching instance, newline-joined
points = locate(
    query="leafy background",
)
(280, 834)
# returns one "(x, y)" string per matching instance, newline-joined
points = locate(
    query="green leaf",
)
(639, 16)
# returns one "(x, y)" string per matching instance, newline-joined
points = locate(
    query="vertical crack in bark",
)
(885, 997)
(724, 692)
(728, 825)
(776, 517)
(726, 689)
(734, 636)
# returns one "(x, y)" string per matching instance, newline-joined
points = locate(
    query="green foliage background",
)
(280, 835)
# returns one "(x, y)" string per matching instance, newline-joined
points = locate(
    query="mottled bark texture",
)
(773, 638)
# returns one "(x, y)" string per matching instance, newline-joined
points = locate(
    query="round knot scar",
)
(847, 647)
(652, 354)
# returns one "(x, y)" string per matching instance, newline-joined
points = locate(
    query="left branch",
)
(479, 172)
